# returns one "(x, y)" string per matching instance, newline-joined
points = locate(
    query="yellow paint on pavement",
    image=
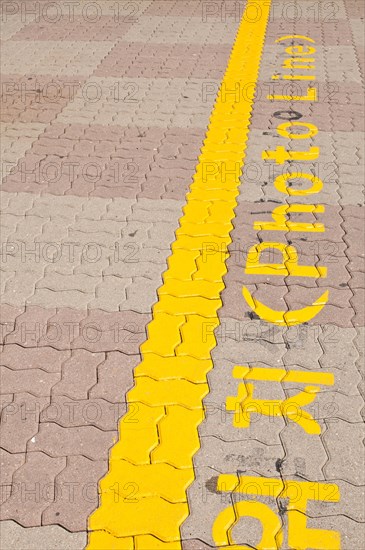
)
(297, 495)
(160, 431)
(285, 318)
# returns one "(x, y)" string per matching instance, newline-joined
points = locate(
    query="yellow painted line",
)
(143, 496)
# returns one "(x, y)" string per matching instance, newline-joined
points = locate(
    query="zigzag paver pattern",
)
(103, 126)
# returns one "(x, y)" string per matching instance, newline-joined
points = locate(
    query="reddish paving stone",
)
(30, 327)
(36, 380)
(174, 8)
(355, 9)
(36, 98)
(32, 489)
(165, 61)
(77, 27)
(114, 377)
(155, 174)
(76, 493)
(8, 316)
(78, 374)
(95, 331)
(57, 441)
(5, 399)
(48, 359)
(67, 323)
(70, 413)
(9, 464)
(20, 421)
(109, 331)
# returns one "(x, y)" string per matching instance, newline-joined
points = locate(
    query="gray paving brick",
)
(343, 442)
(49, 537)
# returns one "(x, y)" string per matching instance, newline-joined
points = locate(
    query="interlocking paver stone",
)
(33, 489)
(50, 537)
(105, 108)
(76, 494)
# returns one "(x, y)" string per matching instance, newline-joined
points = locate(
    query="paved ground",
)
(105, 107)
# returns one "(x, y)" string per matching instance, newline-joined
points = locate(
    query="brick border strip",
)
(143, 499)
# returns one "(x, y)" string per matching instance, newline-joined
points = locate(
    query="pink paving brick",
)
(355, 9)
(76, 494)
(165, 61)
(66, 404)
(21, 420)
(70, 413)
(15, 356)
(95, 331)
(85, 365)
(36, 98)
(117, 162)
(10, 462)
(174, 8)
(67, 363)
(32, 489)
(59, 442)
(8, 315)
(114, 372)
(77, 27)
